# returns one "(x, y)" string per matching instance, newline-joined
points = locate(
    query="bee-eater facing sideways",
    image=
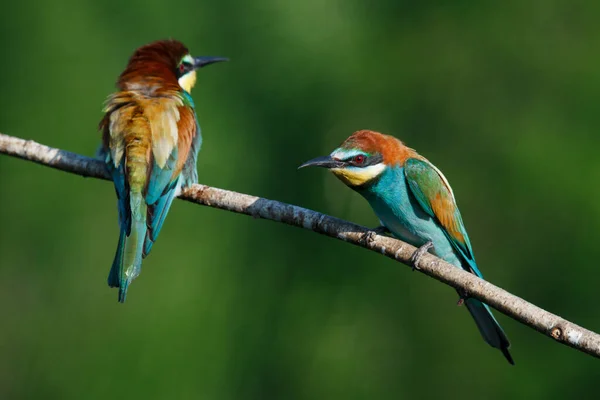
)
(150, 140)
(414, 201)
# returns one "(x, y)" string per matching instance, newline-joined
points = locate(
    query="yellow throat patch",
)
(188, 81)
(358, 176)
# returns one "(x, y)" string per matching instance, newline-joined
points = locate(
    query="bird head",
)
(167, 60)
(363, 157)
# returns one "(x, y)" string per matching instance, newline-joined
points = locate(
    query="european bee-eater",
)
(150, 141)
(414, 201)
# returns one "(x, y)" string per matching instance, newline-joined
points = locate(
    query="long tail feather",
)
(128, 258)
(488, 326)
(113, 276)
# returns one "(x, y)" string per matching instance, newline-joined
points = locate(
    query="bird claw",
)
(414, 259)
(462, 298)
(368, 237)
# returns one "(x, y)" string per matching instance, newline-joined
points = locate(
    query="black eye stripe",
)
(375, 159)
(184, 68)
(370, 160)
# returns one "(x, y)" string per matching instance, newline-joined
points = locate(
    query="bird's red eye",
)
(181, 67)
(359, 159)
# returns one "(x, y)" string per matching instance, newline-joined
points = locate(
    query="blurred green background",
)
(502, 96)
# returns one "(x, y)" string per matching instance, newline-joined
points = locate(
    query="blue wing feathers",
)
(160, 178)
(190, 172)
(113, 276)
(156, 215)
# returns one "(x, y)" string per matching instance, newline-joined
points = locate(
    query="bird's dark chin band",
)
(365, 185)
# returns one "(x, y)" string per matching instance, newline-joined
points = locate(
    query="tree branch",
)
(529, 314)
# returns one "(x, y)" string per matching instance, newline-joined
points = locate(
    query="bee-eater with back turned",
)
(150, 143)
(414, 201)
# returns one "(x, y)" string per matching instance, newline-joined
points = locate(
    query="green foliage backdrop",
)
(502, 96)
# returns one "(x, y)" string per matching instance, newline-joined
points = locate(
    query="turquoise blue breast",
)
(399, 211)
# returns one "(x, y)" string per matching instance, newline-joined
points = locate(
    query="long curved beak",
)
(200, 62)
(325, 162)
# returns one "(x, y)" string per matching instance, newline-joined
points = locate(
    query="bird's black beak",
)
(200, 62)
(325, 162)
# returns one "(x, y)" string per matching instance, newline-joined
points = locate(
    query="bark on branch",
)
(529, 314)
